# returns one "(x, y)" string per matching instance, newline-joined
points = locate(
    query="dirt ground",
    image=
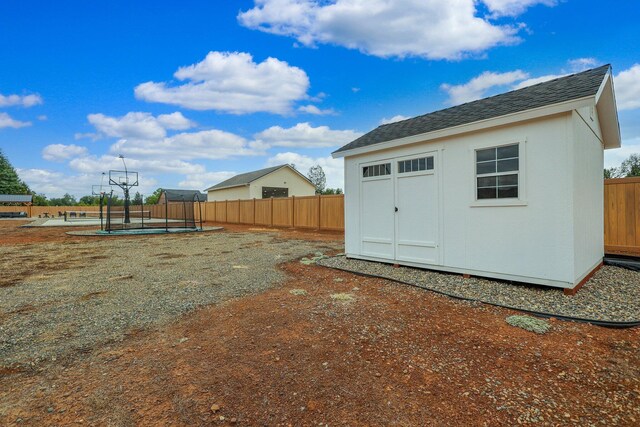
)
(332, 348)
(11, 233)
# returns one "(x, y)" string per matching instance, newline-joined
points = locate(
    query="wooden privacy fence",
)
(317, 212)
(622, 216)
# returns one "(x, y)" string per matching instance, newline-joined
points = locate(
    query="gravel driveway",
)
(57, 299)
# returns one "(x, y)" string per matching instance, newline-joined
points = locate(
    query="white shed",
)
(507, 187)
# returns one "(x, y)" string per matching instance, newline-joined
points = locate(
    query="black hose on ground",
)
(603, 323)
(628, 263)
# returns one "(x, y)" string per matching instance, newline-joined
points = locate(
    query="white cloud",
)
(333, 168)
(574, 66)
(303, 135)
(432, 29)
(627, 85)
(7, 122)
(42, 117)
(398, 118)
(20, 100)
(536, 80)
(312, 109)
(56, 184)
(61, 152)
(581, 64)
(95, 165)
(136, 125)
(175, 121)
(514, 7)
(232, 82)
(478, 86)
(208, 144)
(201, 181)
(614, 158)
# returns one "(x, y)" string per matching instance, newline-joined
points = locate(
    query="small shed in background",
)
(179, 196)
(15, 205)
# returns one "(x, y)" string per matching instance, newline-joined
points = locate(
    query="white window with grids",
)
(498, 172)
(372, 171)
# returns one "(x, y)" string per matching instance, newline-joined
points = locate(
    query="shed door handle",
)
(396, 209)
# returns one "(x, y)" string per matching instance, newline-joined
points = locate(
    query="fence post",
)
(293, 211)
(254, 211)
(238, 222)
(271, 208)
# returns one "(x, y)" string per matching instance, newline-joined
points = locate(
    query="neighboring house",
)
(508, 187)
(277, 181)
(179, 196)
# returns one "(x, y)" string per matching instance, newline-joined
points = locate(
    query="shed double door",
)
(400, 209)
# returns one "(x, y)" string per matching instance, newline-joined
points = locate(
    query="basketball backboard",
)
(123, 178)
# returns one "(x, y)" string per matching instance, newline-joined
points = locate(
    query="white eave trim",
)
(608, 113)
(561, 107)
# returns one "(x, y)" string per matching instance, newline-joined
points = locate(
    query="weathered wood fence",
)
(622, 216)
(316, 212)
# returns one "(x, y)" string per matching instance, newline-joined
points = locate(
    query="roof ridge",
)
(499, 94)
(574, 86)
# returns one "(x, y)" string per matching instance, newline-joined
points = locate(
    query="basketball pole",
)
(125, 188)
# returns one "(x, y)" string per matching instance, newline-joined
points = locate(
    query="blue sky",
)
(192, 92)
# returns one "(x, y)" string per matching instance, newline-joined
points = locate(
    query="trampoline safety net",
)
(178, 213)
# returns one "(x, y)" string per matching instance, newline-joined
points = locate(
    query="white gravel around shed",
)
(612, 294)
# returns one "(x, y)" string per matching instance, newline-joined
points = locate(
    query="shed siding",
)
(284, 177)
(533, 242)
(588, 195)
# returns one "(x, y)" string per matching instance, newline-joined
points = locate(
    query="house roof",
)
(180, 195)
(248, 177)
(572, 87)
(16, 198)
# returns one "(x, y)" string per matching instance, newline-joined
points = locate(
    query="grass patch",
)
(317, 257)
(298, 292)
(529, 323)
(342, 297)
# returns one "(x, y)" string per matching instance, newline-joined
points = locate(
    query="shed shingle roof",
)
(562, 89)
(244, 178)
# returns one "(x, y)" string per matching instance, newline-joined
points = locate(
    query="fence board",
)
(263, 211)
(306, 212)
(233, 211)
(246, 212)
(622, 216)
(332, 212)
(282, 212)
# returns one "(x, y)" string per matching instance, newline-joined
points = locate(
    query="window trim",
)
(374, 163)
(416, 157)
(521, 200)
